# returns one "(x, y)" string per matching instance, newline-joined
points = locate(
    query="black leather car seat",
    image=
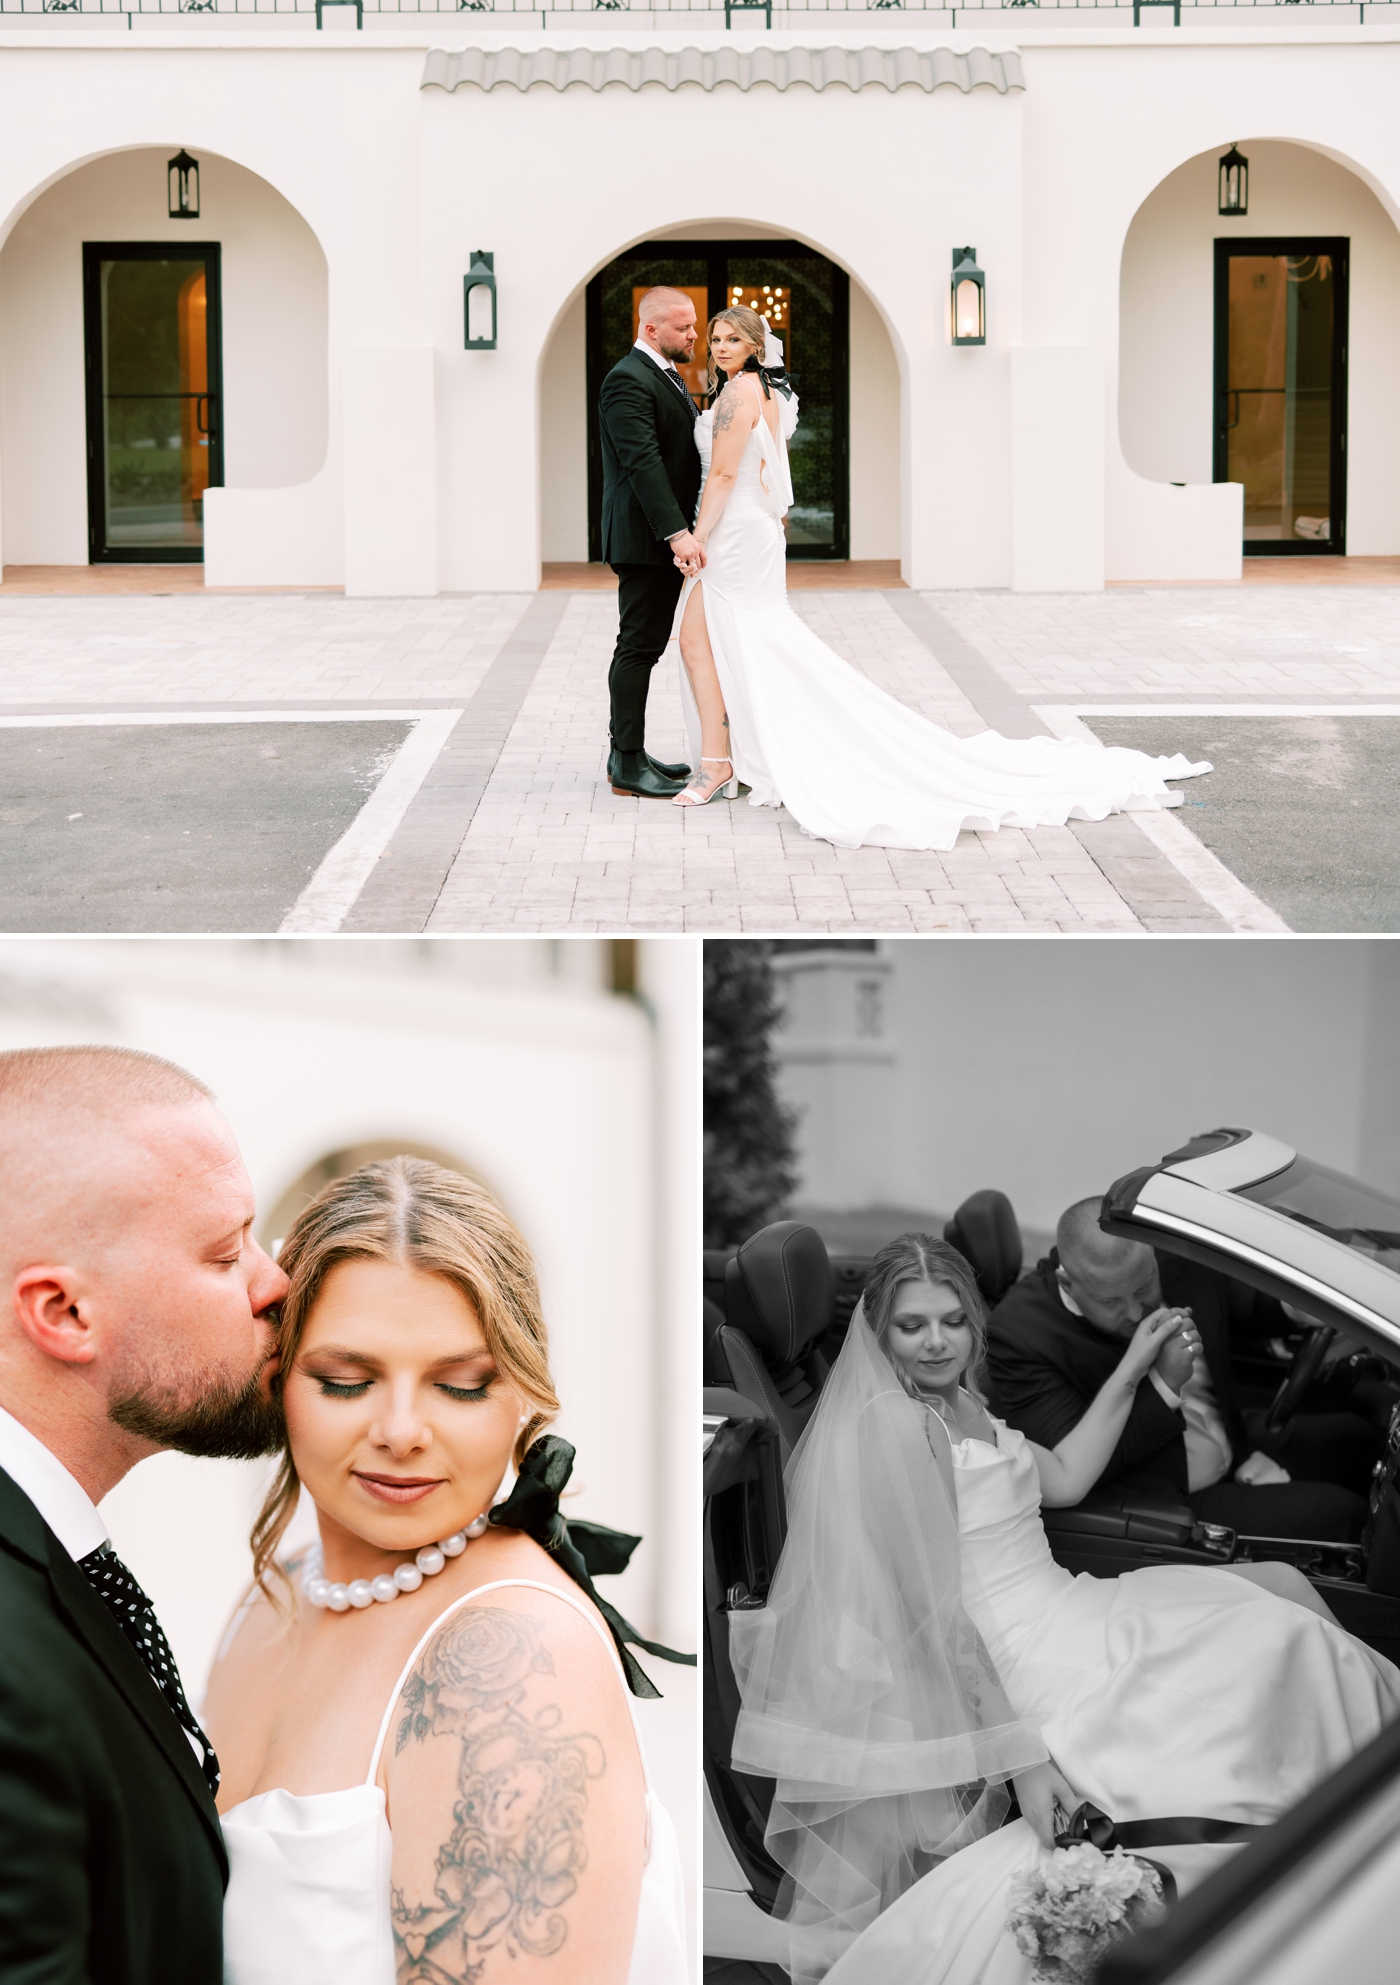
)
(778, 1301)
(984, 1231)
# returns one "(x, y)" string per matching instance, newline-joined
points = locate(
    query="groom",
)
(134, 1317)
(651, 484)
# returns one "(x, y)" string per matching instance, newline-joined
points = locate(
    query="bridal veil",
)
(867, 1692)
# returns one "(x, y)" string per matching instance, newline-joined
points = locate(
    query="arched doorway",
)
(1247, 342)
(190, 340)
(806, 298)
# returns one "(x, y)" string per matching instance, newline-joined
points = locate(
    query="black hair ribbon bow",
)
(768, 376)
(1087, 1823)
(581, 1549)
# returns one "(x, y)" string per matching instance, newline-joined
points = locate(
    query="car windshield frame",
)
(1335, 1204)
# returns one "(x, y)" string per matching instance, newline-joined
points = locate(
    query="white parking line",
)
(1219, 710)
(64, 720)
(324, 904)
(1242, 910)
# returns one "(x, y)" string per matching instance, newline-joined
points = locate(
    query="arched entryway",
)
(848, 483)
(807, 300)
(145, 358)
(1263, 349)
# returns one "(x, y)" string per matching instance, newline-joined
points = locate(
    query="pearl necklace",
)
(362, 1592)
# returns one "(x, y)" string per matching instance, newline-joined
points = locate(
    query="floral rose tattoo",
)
(516, 1849)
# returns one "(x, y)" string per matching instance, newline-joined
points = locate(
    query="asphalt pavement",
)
(1304, 810)
(176, 826)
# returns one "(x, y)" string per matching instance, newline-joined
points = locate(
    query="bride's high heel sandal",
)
(694, 794)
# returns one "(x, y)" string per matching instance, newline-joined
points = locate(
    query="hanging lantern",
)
(1234, 182)
(969, 299)
(479, 302)
(182, 176)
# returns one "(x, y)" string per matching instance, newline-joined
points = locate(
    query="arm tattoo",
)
(516, 1848)
(726, 407)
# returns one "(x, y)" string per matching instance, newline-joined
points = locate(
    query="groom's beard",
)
(677, 354)
(225, 1423)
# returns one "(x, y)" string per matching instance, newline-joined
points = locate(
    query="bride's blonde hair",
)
(921, 1258)
(747, 323)
(422, 1216)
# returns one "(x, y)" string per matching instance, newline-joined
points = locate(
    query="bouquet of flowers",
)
(1066, 1913)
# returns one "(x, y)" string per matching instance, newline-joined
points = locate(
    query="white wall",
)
(564, 441)
(875, 466)
(274, 337)
(1166, 380)
(1050, 1068)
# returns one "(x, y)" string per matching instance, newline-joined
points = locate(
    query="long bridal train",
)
(851, 764)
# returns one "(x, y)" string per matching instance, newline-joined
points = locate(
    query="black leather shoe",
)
(667, 771)
(631, 773)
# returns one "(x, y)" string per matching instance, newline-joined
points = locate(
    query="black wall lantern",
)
(969, 299)
(182, 173)
(480, 282)
(1234, 182)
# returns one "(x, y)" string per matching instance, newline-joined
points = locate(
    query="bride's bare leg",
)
(715, 768)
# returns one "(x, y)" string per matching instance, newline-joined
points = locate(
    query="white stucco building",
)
(347, 175)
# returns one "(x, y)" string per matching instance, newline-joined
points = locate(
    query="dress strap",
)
(496, 1585)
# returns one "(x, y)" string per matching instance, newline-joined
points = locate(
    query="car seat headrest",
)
(778, 1290)
(984, 1231)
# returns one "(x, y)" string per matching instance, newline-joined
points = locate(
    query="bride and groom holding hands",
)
(693, 509)
(922, 1655)
(417, 1762)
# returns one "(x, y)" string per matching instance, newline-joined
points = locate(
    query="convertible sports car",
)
(1277, 1225)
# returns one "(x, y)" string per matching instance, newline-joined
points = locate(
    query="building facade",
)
(279, 383)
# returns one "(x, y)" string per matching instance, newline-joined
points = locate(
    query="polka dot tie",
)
(135, 1615)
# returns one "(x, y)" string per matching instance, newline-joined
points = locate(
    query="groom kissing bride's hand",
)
(137, 1319)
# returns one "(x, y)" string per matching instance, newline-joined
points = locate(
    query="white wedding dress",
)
(852, 765)
(308, 1892)
(1176, 1690)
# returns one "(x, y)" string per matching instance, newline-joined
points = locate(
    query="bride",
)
(920, 1647)
(446, 1786)
(768, 703)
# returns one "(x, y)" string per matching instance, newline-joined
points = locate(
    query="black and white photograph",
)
(1051, 1418)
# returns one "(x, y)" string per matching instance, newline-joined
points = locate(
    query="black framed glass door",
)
(806, 298)
(154, 398)
(1281, 389)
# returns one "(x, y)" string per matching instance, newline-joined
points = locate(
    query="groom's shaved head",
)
(77, 1127)
(132, 1290)
(93, 1082)
(658, 302)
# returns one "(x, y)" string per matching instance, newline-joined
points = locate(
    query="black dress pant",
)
(646, 605)
(1330, 1457)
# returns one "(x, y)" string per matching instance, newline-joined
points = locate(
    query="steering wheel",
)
(1307, 1363)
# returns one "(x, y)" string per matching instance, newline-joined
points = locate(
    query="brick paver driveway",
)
(495, 815)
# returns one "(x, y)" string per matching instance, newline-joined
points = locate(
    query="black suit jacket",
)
(651, 466)
(1045, 1366)
(112, 1865)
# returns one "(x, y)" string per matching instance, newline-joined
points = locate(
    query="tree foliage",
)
(749, 1150)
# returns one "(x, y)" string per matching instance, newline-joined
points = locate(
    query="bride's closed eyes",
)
(354, 1388)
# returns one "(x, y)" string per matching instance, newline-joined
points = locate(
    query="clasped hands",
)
(689, 553)
(1172, 1336)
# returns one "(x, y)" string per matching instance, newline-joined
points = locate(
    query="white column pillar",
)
(1057, 469)
(390, 473)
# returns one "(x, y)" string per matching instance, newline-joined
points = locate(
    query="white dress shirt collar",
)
(655, 357)
(59, 1498)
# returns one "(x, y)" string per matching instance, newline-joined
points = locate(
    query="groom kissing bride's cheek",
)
(421, 1762)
